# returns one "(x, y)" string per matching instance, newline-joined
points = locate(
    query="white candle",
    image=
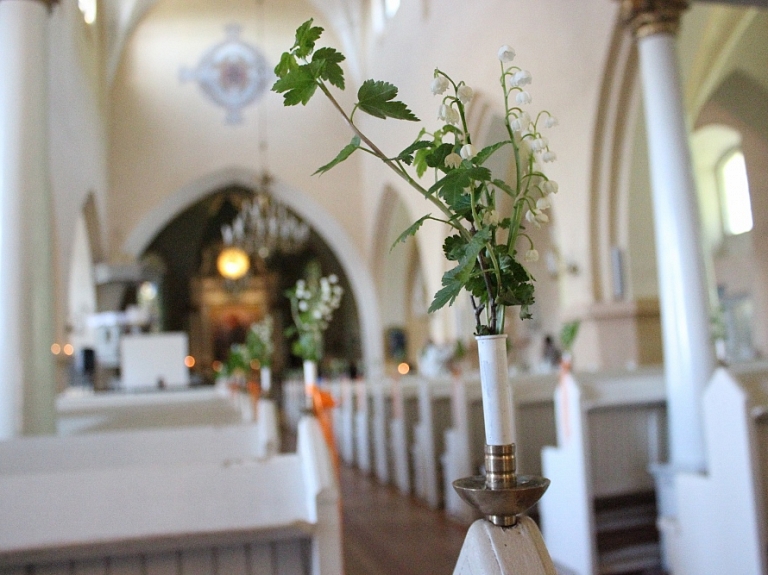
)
(497, 392)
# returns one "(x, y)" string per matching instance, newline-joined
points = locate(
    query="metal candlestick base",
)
(501, 495)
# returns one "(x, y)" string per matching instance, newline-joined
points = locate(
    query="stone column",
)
(27, 379)
(689, 358)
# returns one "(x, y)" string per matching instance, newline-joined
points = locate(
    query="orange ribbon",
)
(323, 402)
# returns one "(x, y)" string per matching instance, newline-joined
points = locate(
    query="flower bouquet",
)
(261, 348)
(486, 215)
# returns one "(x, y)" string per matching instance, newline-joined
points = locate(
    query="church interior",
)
(141, 143)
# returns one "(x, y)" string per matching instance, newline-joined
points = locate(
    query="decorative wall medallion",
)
(233, 74)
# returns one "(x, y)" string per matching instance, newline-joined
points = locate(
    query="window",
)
(382, 11)
(734, 193)
(391, 7)
(88, 8)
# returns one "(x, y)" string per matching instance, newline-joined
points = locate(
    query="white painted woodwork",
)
(492, 550)
(192, 514)
(268, 430)
(152, 360)
(25, 245)
(346, 421)
(683, 294)
(402, 425)
(380, 395)
(83, 412)
(429, 438)
(722, 514)
(610, 429)
(362, 435)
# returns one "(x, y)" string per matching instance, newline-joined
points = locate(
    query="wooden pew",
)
(401, 430)
(723, 513)
(240, 516)
(362, 427)
(82, 412)
(610, 428)
(434, 408)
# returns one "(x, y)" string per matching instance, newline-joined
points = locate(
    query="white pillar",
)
(689, 358)
(27, 382)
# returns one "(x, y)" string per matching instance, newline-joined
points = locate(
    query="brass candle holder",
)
(501, 495)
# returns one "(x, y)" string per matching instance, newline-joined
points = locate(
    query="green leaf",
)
(306, 36)
(453, 247)
(502, 185)
(345, 152)
(412, 229)
(407, 154)
(437, 158)
(486, 153)
(448, 293)
(331, 70)
(377, 99)
(299, 85)
(287, 64)
(420, 161)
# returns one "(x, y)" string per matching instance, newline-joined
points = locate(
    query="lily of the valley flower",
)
(465, 94)
(523, 97)
(439, 85)
(549, 156)
(531, 255)
(452, 160)
(543, 203)
(521, 78)
(539, 144)
(468, 151)
(521, 123)
(448, 114)
(536, 217)
(506, 54)
(491, 218)
(550, 122)
(549, 187)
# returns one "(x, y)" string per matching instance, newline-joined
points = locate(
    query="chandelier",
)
(264, 226)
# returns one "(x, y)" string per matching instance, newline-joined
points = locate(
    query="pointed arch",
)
(319, 219)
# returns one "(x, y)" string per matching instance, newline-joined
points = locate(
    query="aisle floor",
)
(387, 533)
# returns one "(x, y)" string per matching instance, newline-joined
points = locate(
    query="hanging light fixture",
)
(264, 226)
(233, 263)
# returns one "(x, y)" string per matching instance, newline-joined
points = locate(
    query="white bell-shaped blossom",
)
(543, 203)
(439, 85)
(531, 255)
(468, 151)
(549, 156)
(521, 78)
(448, 114)
(539, 144)
(452, 160)
(506, 54)
(549, 187)
(491, 218)
(521, 122)
(465, 94)
(550, 122)
(523, 97)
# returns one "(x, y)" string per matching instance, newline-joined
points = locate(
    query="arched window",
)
(88, 8)
(733, 185)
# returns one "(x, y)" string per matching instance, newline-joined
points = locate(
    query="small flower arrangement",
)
(259, 341)
(313, 301)
(238, 363)
(466, 196)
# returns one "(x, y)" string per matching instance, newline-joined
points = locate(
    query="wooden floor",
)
(386, 533)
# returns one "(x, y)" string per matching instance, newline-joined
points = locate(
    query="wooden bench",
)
(182, 516)
(401, 430)
(723, 513)
(599, 514)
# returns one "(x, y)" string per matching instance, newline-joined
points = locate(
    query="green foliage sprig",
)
(259, 341)
(468, 198)
(313, 301)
